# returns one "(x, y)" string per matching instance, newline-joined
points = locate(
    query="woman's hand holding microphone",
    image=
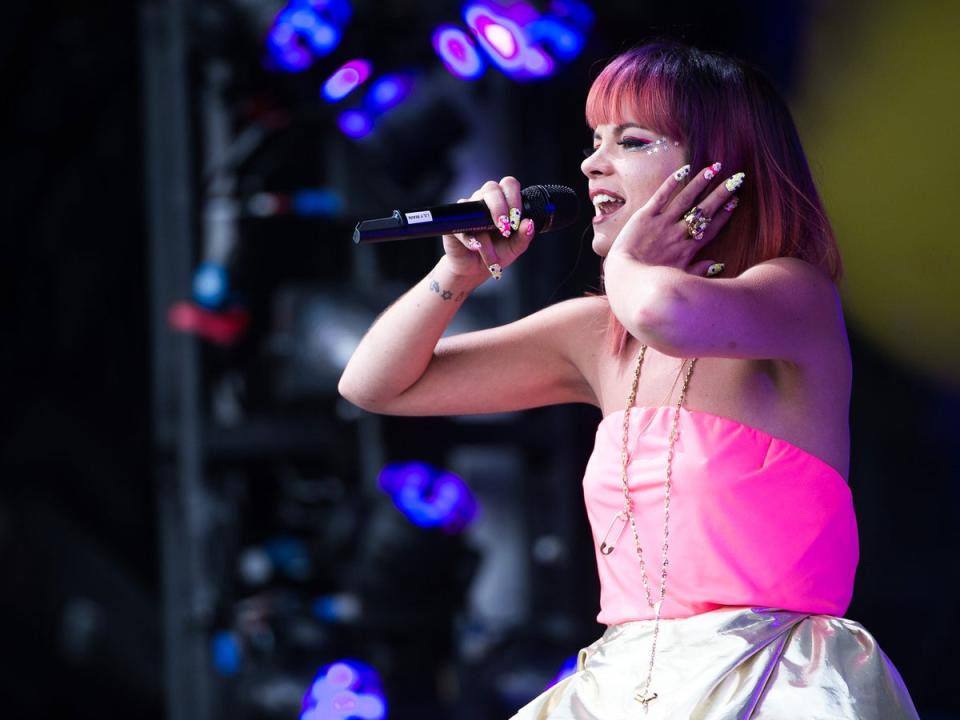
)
(477, 255)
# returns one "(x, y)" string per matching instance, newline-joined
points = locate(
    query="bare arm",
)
(404, 367)
(398, 347)
(780, 308)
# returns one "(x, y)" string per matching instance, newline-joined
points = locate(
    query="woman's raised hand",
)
(490, 253)
(673, 225)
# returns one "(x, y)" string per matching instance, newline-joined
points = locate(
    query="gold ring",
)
(696, 222)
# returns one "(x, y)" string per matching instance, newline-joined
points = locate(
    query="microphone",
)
(551, 207)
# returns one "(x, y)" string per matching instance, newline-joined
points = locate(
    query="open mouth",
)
(605, 205)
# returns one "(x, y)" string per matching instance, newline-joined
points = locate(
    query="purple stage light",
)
(355, 124)
(536, 64)
(501, 33)
(457, 51)
(499, 36)
(388, 91)
(342, 690)
(428, 496)
(346, 79)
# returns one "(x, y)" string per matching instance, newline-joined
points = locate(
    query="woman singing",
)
(717, 491)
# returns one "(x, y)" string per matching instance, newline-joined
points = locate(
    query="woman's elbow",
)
(654, 322)
(350, 390)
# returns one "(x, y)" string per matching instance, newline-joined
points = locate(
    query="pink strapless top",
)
(754, 520)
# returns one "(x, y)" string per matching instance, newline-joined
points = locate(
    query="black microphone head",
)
(551, 207)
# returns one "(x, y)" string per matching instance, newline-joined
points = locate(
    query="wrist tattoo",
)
(445, 294)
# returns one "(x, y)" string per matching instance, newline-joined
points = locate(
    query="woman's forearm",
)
(642, 296)
(399, 346)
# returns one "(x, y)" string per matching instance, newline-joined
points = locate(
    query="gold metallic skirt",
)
(732, 663)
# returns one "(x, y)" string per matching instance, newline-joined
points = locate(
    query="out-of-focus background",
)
(194, 525)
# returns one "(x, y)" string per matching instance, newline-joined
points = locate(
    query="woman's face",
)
(628, 164)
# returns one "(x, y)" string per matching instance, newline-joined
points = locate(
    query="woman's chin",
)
(601, 244)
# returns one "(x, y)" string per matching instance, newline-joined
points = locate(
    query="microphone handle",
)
(473, 216)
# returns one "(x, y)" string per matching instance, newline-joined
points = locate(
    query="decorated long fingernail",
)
(514, 218)
(503, 225)
(474, 244)
(529, 228)
(734, 182)
(680, 174)
(732, 205)
(715, 269)
(495, 271)
(712, 171)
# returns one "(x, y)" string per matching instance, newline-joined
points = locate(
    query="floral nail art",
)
(680, 174)
(711, 172)
(715, 269)
(503, 224)
(734, 182)
(495, 271)
(514, 218)
(474, 244)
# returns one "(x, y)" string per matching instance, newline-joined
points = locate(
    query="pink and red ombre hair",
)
(722, 109)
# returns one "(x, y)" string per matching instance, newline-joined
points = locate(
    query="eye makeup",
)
(650, 147)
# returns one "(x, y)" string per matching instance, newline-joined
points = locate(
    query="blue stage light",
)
(574, 12)
(317, 203)
(304, 30)
(323, 38)
(227, 656)
(457, 51)
(211, 285)
(428, 496)
(568, 668)
(565, 42)
(345, 689)
(388, 91)
(355, 123)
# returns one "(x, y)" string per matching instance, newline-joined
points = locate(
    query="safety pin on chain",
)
(606, 549)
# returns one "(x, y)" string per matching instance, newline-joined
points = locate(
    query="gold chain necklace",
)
(644, 696)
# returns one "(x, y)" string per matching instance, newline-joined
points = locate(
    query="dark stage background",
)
(191, 522)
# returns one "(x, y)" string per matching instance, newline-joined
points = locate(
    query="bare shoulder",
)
(588, 313)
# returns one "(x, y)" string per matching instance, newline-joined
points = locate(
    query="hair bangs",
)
(639, 92)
